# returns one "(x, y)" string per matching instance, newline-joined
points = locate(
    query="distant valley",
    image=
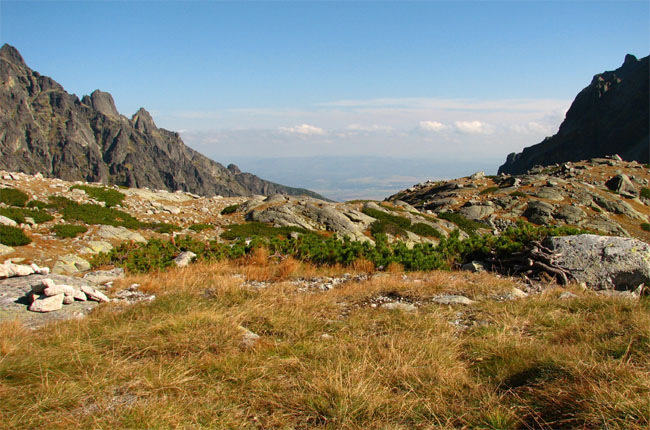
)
(358, 177)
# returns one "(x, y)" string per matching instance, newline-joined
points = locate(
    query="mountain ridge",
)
(46, 130)
(609, 116)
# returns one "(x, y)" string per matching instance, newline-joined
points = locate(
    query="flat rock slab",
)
(603, 262)
(14, 301)
(101, 277)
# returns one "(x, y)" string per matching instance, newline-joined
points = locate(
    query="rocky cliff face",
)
(608, 117)
(44, 129)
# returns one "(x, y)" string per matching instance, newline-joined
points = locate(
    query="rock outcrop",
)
(610, 116)
(603, 261)
(46, 130)
(600, 195)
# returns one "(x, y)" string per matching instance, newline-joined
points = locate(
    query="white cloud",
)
(473, 127)
(532, 127)
(432, 126)
(304, 129)
(371, 127)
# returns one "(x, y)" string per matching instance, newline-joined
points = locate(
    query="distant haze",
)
(360, 177)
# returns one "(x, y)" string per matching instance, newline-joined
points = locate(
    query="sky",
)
(459, 83)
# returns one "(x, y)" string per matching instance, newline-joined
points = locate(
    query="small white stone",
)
(516, 292)
(397, 306)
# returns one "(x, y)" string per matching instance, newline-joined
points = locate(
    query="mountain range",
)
(45, 129)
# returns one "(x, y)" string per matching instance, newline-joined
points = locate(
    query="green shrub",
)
(468, 226)
(645, 192)
(229, 209)
(383, 216)
(12, 236)
(19, 215)
(517, 194)
(13, 197)
(162, 227)
(158, 254)
(645, 226)
(37, 204)
(200, 227)
(68, 230)
(94, 214)
(392, 208)
(386, 227)
(251, 229)
(107, 195)
(489, 190)
(426, 230)
(318, 249)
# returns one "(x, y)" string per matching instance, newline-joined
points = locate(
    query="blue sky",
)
(444, 79)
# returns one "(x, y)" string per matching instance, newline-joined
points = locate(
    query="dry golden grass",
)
(361, 265)
(328, 360)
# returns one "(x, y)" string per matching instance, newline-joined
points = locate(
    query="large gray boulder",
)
(539, 212)
(622, 185)
(603, 262)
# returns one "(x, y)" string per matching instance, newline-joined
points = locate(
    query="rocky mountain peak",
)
(630, 59)
(46, 130)
(609, 116)
(102, 102)
(11, 54)
(143, 121)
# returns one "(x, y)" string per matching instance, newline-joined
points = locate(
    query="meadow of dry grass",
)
(329, 359)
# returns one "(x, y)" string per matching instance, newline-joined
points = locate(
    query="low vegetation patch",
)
(19, 215)
(258, 229)
(13, 236)
(310, 247)
(161, 227)
(157, 254)
(107, 195)
(517, 194)
(68, 230)
(229, 210)
(425, 230)
(200, 227)
(488, 190)
(386, 217)
(13, 197)
(645, 193)
(37, 204)
(645, 226)
(386, 227)
(468, 226)
(397, 225)
(94, 214)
